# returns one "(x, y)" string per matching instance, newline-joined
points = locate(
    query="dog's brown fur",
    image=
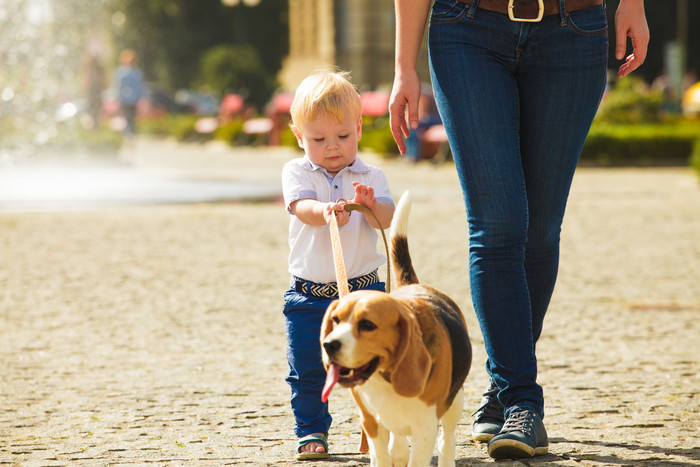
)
(416, 337)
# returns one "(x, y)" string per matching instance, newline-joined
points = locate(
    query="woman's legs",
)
(517, 101)
(561, 79)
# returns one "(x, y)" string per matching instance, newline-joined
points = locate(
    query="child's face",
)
(329, 143)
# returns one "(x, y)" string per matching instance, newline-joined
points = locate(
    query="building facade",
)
(352, 35)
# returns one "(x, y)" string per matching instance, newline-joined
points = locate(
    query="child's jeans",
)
(307, 376)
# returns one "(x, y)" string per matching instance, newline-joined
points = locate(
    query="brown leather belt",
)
(530, 9)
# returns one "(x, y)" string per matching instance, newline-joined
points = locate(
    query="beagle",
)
(404, 356)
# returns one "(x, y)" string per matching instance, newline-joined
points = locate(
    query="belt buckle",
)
(540, 13)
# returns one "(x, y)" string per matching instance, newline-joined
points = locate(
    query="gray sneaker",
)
(488, 419)
(522, 436)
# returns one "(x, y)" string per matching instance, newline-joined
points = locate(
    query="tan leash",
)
(362, 208)
(341, 275)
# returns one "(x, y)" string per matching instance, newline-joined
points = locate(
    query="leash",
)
(341, 275)
(340, 272)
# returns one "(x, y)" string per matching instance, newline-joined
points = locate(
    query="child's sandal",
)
(308, 439)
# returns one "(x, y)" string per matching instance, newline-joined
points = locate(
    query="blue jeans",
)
(307, 375)
(517, 101)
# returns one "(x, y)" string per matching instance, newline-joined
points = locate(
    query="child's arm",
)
(313, 212)
(383, 210)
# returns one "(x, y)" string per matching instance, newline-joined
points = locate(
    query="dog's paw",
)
(399, 451)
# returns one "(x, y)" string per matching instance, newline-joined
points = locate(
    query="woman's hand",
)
(411, 16)
(631, 22)
(404, 99)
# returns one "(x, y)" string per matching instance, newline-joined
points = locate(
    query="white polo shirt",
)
(311, 253)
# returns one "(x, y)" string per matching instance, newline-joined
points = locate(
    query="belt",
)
(530, 9)
(330, 290)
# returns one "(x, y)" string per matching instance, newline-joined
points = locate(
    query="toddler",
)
(327, 121)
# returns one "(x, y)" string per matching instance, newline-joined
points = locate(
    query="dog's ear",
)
(327, 324)
(412, 360)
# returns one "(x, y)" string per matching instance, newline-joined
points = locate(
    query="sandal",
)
(319, 438)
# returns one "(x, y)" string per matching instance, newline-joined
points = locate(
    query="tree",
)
(236, 68)
(171, 36)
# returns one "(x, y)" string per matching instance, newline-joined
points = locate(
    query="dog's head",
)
(369, 331)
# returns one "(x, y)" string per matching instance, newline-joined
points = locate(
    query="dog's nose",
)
(331, 347)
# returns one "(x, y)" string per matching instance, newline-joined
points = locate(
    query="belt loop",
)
(562, 13)
(472, 8)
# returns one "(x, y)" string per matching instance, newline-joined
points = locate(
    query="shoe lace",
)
(521, 420)
(490, 405)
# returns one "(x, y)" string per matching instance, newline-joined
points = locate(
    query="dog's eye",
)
(335, 320)
(366, 325)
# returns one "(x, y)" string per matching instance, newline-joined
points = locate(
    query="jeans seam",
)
(443, 17)
(586, 33)
(581, 32)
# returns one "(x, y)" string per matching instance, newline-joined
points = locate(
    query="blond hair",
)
(324, 93)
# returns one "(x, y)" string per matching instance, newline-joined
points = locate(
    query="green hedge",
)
(695, 158)
(647, 144)
(631, 101)
(670, 143)
(607, 144)
(179, 126)
(71, 139)
(231, 132)
(377, 137)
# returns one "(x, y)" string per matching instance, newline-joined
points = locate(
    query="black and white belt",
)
(330, 290)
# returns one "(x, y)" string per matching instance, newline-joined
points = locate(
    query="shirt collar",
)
(357, 166)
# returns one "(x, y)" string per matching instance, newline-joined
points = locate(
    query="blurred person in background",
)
(130, 87)
(94, 83)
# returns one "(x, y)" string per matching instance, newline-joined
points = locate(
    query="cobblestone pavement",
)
(153, 335)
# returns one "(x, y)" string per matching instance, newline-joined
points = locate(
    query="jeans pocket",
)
(447, 11)
(291, 300)
(589, 21)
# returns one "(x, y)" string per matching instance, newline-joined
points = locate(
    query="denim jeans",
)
(307, 376)
(517, 101)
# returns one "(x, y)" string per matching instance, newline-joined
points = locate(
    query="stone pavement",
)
(153, 335)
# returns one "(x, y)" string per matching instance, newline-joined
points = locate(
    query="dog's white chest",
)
(398, 414)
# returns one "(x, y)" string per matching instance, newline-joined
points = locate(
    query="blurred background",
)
(225, 70)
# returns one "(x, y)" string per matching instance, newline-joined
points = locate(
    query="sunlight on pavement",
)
(59, 188)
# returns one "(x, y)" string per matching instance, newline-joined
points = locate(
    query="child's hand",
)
(364, 195)
(336, 209)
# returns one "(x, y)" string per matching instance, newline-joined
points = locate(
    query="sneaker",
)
(489, 417)
(523, 435)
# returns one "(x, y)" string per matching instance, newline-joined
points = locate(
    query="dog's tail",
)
(400, 256)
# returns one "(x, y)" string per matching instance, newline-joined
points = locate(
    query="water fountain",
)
(43, 49)
(52, 153)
